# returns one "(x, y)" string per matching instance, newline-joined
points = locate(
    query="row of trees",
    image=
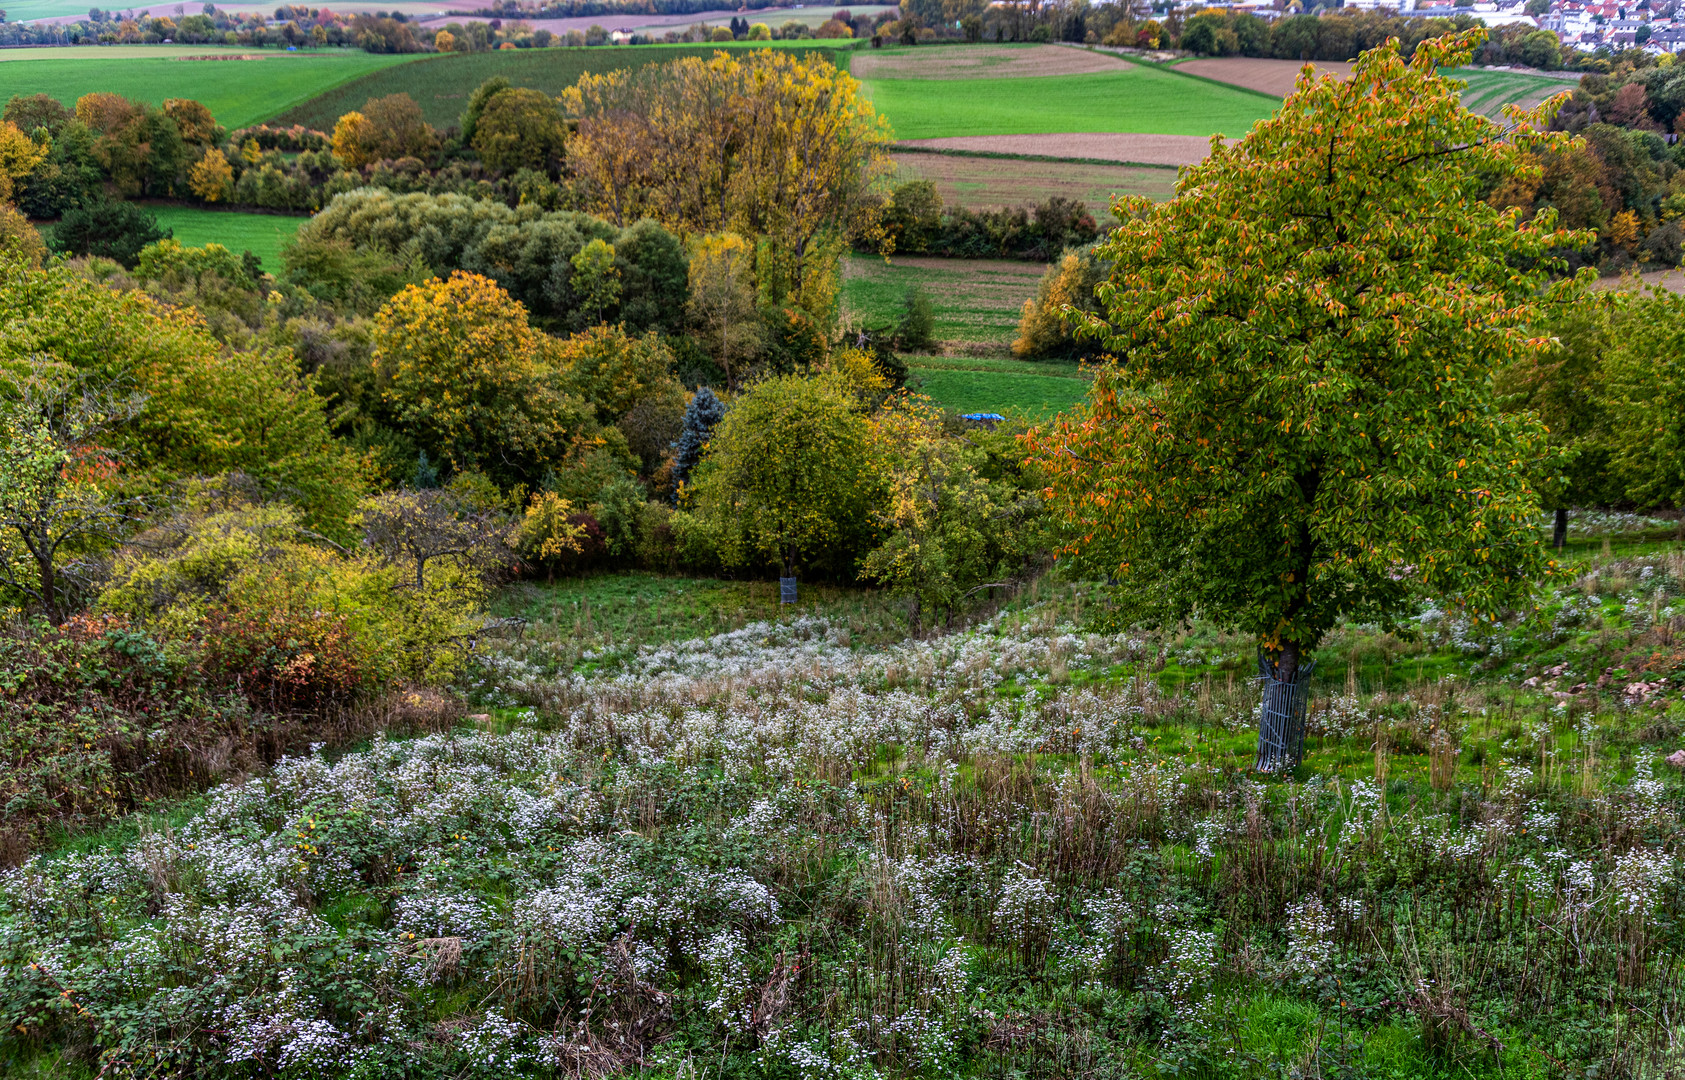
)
(1341, 35)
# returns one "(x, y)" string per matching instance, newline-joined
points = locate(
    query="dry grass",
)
(1265, 76)
(979, 183)
(1140, 149)
(979, 62)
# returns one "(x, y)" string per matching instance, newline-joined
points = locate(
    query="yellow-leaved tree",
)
(353, 136)
(212, 178)
(764, 143)
(19, 154)
(464, 372)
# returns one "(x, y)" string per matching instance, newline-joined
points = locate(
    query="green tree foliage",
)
(301, 623)
(69, 175)
(58, 503)
(614, 370)
(107, 228)
(473, 383)
(1565, 387)
(595, 280)
(952, 531)
(138, 145)
(527, 251)
(722, 303)
(210, 409)
(1645, 397)
(789, 476)
(1301, 426)
(396, 129)
(483, 93)
(520, 129)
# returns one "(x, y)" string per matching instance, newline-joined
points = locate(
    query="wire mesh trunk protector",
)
(1281, 720)
(786, 590)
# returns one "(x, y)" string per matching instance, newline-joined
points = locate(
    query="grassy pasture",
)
(976, 304)
(976, 300)
(441, 84)
(238, 92)
(262, 234)
(991, 384)
(1489, 91)
(1131, 98)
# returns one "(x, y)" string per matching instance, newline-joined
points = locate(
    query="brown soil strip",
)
(1137, 149)
(979, 183)
(1267, 76)
(979, 62)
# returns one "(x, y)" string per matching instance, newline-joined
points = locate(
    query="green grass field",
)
(991, 384)
(976, 300)
(261, 234)
(238, 92)
(441, 84)
(1489, 91)
(976, 304)
(1134, 98)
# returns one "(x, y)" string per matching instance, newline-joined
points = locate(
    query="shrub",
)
(790, 467)
(107, 228)
(917, 329)
(461, 368)
(1043, 330)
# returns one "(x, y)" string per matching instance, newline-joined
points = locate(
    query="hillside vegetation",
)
(441, 84)
(238, 92)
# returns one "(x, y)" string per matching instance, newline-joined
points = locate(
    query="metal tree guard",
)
(1281, 724)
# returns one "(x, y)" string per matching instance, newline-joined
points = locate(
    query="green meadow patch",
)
(262, 234)
(441, 84)
(1132, 98)
(238, 92)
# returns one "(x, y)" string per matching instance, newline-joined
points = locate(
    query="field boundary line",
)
(421, 59)
(905, 148)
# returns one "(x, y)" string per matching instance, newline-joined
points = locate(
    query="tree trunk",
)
(1281, 719)
(1559, 535)
(49, 588)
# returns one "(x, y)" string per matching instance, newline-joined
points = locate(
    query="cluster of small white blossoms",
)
(520, 853)
(1310, 937)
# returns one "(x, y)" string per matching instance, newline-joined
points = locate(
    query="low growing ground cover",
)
(238, 92)
(1020, 849)
(966, 384)
(1489, 90)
